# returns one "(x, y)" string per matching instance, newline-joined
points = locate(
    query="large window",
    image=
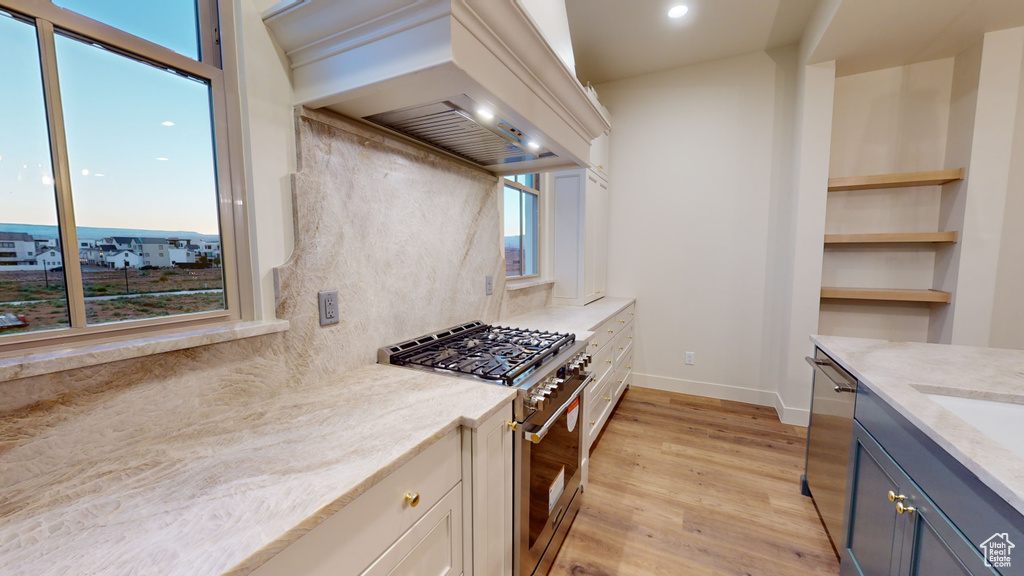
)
(522, 213)
(114, 168)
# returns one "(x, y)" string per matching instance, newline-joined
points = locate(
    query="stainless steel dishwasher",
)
(828, 442)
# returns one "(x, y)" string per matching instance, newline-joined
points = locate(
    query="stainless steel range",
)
(549, 371)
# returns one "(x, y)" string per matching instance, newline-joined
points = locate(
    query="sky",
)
(140, 139)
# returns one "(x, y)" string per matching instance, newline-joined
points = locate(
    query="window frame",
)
(218, 66)
(506, 181)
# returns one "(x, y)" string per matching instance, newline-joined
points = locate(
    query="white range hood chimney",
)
(474, 78)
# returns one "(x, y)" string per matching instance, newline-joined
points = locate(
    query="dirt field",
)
(45, 308)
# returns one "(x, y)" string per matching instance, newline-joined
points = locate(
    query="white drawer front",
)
(623, 343)
(349, 541)
(602, 363)
(433, 546)
(604, 334)
(626, 316)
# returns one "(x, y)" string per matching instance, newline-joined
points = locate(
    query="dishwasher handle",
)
(839, 387)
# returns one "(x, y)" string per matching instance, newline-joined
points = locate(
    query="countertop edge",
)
(990, 479)
(38, 362)
(260, 557)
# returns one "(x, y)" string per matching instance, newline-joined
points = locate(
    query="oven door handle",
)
(539, 435)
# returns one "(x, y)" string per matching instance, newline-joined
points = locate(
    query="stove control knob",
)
(539, 402)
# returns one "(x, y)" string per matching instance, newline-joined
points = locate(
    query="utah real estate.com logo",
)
(997, 550)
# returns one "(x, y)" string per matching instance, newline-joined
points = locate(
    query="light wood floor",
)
(683, 485)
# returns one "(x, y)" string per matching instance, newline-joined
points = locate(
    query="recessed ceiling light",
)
(168, 123)
(678, 11)
(533, 145)
(485, 113)
(85, 171)
(162, 159)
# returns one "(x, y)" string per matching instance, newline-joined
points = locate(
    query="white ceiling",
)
(867, 35)
(615, 39)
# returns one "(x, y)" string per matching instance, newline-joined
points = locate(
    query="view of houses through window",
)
(139, 148)
(522, 203)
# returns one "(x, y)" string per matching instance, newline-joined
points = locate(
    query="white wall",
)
(269, 132)
(552, 19)
(689, 218)
(988, 185)
(892, 120)
(1008, 322)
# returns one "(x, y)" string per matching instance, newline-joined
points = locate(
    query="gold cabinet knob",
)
(608, 398)
(597, 291)
(630, 337)
(594, 344)
(904, 509)
(620, 381)
(623, 321)
(413, 498)
(628, 367)
(608, 361)
(611, 331)
(513, 425)
(621, 348)
(893, 497)
(630, 313)
(592, 422)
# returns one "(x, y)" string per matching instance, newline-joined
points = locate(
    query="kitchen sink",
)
(1001, 421)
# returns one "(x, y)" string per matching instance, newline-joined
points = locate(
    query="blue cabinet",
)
(894, 528)
(911, 509)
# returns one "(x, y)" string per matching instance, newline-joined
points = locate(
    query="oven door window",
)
(553, 463)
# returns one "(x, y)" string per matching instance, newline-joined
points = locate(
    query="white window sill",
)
(511, 286)
(24, 364)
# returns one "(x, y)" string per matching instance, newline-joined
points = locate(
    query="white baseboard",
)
(787, 414)
(707, 389)
(790, 415)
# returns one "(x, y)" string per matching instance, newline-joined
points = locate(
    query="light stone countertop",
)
(901, 372)
(579, 320)
(143, 481)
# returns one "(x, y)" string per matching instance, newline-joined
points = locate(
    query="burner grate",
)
(491, 352)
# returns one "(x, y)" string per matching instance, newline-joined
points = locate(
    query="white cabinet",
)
(446, 512)
(491, 487)
(580, 236)
(611, 353)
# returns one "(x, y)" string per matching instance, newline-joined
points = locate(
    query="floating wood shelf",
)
(887, 294)
(897, 238)
(902, 180)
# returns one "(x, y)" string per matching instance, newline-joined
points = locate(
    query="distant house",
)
(154, 251)
(17, 249)
(49, 259)
(122, 259)
(181, 255)
(121, 242)
(210, 249)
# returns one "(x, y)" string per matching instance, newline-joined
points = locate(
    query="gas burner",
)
(495, 353)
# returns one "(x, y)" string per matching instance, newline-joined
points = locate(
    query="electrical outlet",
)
(328, 307)
(689, 358)
(489, 282)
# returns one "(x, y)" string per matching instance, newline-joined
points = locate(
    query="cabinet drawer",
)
(623, 343)
(356, 536)
(602, 362)
(625, 361)
(626, 316)
(619, 381)
(604, 333)
(596, 398)
(432, 546)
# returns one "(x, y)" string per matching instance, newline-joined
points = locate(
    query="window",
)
(522, 214)
(113, 133)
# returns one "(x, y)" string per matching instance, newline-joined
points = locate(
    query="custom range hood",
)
(474, 78)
